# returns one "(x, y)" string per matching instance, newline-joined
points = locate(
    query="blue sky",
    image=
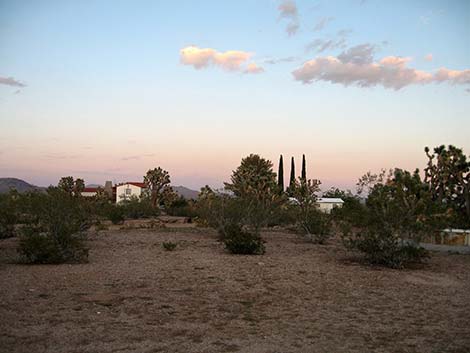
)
(108, 94)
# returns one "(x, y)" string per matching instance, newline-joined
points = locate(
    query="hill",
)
(185, 192)
(6, 184)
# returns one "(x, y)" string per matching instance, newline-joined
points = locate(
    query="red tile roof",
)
(135, 183)
(90, 190)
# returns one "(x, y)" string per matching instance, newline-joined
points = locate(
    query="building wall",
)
(121, 194)
(88, 193)
(327, 206)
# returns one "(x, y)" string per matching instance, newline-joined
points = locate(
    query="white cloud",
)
(322, 23)
(231, 60)
(10, 81)
(288, 10)
(390, 72)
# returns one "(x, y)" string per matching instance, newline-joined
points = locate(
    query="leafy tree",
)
(280, 175)
(157, 181)
(448, 178)
(254, 184)
(71, 186)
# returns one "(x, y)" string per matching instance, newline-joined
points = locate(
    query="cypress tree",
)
(280, 175)
(304, 168)
(292, 173)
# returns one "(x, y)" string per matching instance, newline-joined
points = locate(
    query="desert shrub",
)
(55, 229)
(400, 212)
(381, 247)
(181, 208)
(315, 225)
(169, 246)
(240, 241)
(136, 208)
(38, 247)
(8, 215)
(114, 213)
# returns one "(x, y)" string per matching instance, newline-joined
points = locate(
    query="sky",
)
(105, 90)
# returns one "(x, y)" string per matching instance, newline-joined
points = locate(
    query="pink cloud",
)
(389, 72)
(231, 60)
(428, 57)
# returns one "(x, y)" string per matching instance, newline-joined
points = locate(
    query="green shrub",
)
(38, 247)
(54, 232)
(169, 246)
(315, 225)
(138, 208)
(381, 247)
(8, 215)
(182, 208)
(240, 241)
(115, 214)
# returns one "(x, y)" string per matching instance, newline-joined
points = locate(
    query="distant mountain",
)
(6, 184)
(93, 186)
(185, 192)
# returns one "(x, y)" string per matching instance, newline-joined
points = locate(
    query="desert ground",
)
(133, 296)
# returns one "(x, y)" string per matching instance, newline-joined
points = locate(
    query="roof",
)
(135, 183)
(90, 190)
(330, 200)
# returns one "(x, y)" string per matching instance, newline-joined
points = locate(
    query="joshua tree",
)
(280, 175)
(157, 181)
(304, 168)
(448, 177)
(71, 186)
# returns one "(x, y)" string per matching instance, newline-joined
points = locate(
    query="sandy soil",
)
(133, 296)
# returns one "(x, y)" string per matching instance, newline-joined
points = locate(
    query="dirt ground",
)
(133, 296)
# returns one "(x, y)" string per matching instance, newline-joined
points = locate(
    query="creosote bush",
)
(8, 214)
(54, 231)
(399, 212)
(169, 246)
(242, 242)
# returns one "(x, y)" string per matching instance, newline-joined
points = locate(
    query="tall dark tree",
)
(280, 175)
(292, 173)
(304, 169)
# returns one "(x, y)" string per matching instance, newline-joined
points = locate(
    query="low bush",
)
(138, 208)
(169, 246)
(8, 215)
(181, 208)
(115, 214)
(381, 247)
(315, 225)
(240, 241)
(55, 229)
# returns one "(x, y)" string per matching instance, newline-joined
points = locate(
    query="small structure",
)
(89, 192)
(126, 191)
(452, 237)
(326, 204)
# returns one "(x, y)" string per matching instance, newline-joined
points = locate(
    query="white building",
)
(126, 191)
(326, 204)
(89, 192)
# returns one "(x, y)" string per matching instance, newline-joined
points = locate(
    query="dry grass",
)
(133, 296)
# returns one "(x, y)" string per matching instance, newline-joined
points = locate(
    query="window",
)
(128, 191)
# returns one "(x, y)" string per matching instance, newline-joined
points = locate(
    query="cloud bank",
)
(356, 67)
(231, 60)
(10, 81)
(288, 10)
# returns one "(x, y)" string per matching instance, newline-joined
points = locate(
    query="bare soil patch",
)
(133, 296)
